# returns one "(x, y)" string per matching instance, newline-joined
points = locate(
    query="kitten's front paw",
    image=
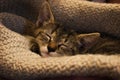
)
(35, 48)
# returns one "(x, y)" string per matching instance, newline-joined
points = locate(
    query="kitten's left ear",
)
(45, 15)
(88, 40)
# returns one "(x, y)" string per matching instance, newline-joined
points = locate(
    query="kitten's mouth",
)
(46, 53)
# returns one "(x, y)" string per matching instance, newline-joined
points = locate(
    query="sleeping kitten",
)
(39, 34)
(91, 43)
(71, 43)
(54, 40)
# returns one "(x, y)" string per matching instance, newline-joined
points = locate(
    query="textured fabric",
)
(17, 23)
(18, 62)
(25, 8)
(81, 15)
(84, 16)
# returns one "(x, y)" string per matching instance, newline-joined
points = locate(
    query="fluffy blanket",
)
(81, 15)
(17, 62)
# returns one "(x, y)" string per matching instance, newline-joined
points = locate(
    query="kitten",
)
(71, 43)
(46, 26)
(39, 34)
(92, 43)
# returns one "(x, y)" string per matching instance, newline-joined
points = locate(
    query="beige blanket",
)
(17, 62)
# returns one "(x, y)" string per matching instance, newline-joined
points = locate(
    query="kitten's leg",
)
(35, 48)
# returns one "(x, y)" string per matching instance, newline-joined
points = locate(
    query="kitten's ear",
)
(45, 15)
(89, 40)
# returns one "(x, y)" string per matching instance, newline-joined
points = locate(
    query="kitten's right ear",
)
(89, 40)
(45, 15)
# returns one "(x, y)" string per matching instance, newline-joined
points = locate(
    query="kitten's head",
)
(46, 27)
(71, 44)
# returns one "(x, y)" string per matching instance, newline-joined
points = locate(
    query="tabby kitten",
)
(44, 33)
(53, 40)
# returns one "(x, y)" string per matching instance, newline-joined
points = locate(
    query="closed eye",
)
(62, 45)
(44, 36)
(49, 37)
(66, 48)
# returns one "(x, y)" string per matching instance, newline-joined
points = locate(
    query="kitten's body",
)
(106, 45)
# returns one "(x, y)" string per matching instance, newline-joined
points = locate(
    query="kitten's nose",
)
(52, 47)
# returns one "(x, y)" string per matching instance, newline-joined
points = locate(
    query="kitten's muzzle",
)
(52, 47)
